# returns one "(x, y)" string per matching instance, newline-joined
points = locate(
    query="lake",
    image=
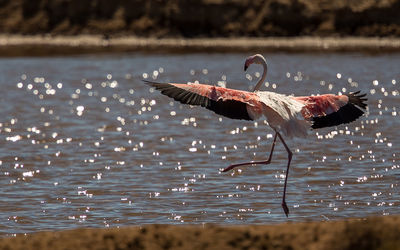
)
(84, 143)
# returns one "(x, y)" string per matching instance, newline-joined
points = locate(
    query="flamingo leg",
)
(284, 206)
(255, 162)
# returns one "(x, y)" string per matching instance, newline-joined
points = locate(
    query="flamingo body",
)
(289, 115)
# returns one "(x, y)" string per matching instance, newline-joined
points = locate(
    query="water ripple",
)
(86, 143)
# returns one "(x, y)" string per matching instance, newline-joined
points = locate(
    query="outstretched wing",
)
(227, 102)
(331, 110)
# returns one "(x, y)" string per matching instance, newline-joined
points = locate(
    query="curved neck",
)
(264, 75)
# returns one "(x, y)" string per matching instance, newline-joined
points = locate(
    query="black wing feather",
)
(230, 108)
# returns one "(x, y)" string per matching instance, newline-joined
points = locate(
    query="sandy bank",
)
(370, 233)
(16, 45)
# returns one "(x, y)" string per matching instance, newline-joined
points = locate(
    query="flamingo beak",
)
(245, 67)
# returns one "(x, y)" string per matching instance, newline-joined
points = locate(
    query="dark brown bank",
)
(371, 233)
(201, 18)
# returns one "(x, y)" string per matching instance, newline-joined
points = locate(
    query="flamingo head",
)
(257, 58)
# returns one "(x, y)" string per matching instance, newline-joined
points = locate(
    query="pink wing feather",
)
(217, 93)
(323, 111)
(321, 105)
(331, 110)
(227, 102)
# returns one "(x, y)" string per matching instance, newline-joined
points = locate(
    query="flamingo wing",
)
(227, 102)
(331, 110)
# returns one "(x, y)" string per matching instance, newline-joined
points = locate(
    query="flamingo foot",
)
(285, 208)
(229, 168)
(246, 163)
(234, 166)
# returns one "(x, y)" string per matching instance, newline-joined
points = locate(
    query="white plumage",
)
(282, 112)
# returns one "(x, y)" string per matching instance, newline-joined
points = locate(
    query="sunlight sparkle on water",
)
(98, 139)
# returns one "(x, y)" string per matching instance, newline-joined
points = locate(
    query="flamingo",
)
(288, 115)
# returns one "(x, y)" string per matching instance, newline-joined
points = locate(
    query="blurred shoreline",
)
(369, 233)
(48, 45)
(202, 18)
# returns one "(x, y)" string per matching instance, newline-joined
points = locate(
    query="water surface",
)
(84, 143)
